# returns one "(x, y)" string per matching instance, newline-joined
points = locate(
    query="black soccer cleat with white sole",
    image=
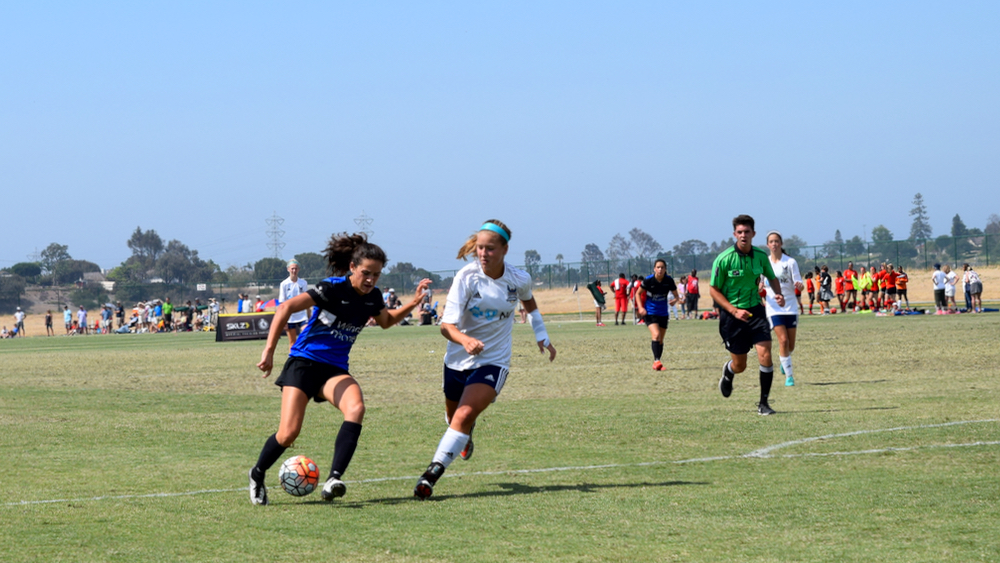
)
(725, 385)
(764, 409)
(258, 492)
(333, 488)
(425, 485)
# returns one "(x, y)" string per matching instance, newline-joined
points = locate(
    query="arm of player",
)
(640, 301)
(472, 346)
(281, 316)
(388, 317)
(538, 325)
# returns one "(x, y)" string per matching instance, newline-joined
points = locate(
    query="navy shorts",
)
(309, 376)
(656, 319)
(455, 381)
(738, 336)
(295, 326)
(788, 321)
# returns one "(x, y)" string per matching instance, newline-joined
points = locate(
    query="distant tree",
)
(717, 247)
(920, 229)
(403, 268)
(881, 234)
(11, 288)
(532, 258)
(312, 266)
(27, 270)
(71, 271)
(689, 247)
(854, 246)
(559, 259)
(837, 238)
(270, 269)
(52, 255)
(993, 224)
(91, 296)
(591, 253)
(644, 244)
(145, 244)
(619, 249)
(239, 275)
(958, 228)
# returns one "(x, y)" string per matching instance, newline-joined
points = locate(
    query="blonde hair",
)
(469, 248)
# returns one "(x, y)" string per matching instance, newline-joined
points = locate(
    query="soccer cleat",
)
(726, 386)
(658, 366)
(258, 492)
(600, 324)
(425, 485)
(764, 409)
(789, 381)
(333, 488)
(466, 452)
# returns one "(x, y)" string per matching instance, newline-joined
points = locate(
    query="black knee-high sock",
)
(727, 370)
(657, 350)
(269, 454)
(765, 382)
(343, 450)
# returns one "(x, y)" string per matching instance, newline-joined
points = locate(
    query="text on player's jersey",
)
(339, 316)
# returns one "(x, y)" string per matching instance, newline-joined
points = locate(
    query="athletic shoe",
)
(333, 488)
(789, 381)
(258, 492)
(425, 485)
(600, 324)
(467, 450)
(658, 366)
(726, 385)
(764, 409)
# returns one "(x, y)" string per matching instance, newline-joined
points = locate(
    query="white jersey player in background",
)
(292, 286)
(784, 319)
(478, 322)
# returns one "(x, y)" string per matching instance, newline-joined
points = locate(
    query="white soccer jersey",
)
(786, 269)
(290, 289)
(483, 308)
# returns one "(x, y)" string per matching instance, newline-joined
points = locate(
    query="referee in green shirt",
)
(742, 317)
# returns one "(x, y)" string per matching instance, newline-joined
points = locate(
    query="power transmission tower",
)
(363, 222)
(36, 256)
(275, 233)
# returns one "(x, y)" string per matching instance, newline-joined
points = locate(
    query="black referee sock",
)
(766, 376)
(657, 350)
(269, 454)
(343, 450)
(727, 371)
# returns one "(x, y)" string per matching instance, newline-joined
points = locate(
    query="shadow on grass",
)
(511, 489)
(823, 383)
(840, 410)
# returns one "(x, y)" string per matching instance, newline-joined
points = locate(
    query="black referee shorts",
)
(738, 336)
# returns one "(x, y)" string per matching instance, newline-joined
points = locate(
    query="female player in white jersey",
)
(478, 323)
(317, 366)
(292, 286)
(783, 320)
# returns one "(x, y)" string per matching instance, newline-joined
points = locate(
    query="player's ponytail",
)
(492, 225)
(344, 250)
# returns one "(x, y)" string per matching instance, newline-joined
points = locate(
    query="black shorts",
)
(890, 291)
(738, 336)
(656, 319)
(308, 375)
(295, 326)
(690, 303)
(168, 318)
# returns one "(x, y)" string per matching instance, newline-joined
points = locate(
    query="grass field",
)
(136, 448)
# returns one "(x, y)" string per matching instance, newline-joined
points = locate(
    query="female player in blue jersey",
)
(317, 365)
(478, 322)
(656, 313)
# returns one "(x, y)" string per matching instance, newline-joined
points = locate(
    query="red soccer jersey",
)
(839, 285)
(810, 288)
(620, 286)
(849, 275)
(890, 278)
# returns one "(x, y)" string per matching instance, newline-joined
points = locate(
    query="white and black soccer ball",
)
(299, 475)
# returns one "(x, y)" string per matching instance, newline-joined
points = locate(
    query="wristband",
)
(538, 325)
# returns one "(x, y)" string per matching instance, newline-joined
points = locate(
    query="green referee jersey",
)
(735, 274)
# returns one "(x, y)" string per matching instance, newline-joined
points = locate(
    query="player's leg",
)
(656, 333)
(344, 393)
(766, 376)
(293, 410)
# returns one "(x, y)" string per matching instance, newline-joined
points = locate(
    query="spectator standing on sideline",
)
(81, 320)
(49, 331)
(838, 284)
(68, 319)
(966, 289)
(19, 322)
(293, 285)
(189, 317)
(677, 308)
(620, 288)
(742, 318)
(850, 292)
(810, 290)
(633, 289)
(825, 290)
(939, 279)
(901, 280)
(951, 279)
(975, 288)
(598, 293)
(691, 294)
(168, 315)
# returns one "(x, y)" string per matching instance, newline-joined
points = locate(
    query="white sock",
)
(786, 364)
(451, 445)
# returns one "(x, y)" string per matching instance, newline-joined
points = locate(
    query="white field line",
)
(763, 453)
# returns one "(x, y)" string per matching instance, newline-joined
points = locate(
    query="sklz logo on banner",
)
(244, 326)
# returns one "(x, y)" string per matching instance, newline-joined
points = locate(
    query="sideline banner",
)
(243, 326)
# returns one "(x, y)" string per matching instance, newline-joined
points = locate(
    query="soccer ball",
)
(299, 475)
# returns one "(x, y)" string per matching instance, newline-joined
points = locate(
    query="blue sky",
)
(570, 121)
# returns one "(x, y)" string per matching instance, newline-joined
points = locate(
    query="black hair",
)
(344, 250)
(743, 220)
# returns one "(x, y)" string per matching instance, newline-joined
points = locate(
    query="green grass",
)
(98, 424)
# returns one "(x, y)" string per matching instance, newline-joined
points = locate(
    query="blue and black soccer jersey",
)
(339, 316)
(658, 295)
